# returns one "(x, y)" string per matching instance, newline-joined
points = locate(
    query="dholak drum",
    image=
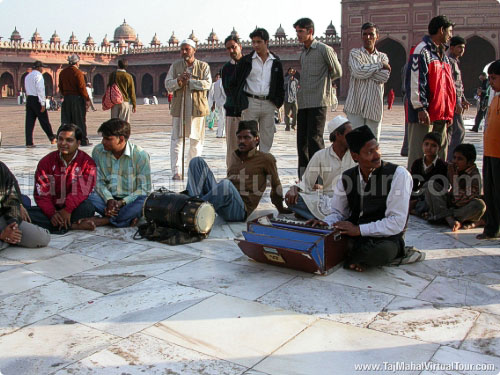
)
(170, 209)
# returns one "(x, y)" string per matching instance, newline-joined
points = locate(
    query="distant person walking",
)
(125, 83)
(73, 88)
(291, 88)
(36, 106)
(90, 92)
(390, 99)
(482, 107)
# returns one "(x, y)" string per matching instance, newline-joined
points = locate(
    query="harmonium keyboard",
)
(293, 244)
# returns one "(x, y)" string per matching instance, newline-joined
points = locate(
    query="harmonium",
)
(293, 244)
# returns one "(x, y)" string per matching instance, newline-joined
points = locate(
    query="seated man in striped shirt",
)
(123, 176)
(370, 69)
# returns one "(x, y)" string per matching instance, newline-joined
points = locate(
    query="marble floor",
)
(102, 303)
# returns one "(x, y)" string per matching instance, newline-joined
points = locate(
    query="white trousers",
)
(358, 120)
(196, 140)
(262, 111)
(221, 123)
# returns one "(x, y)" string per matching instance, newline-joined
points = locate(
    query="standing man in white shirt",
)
(35, 105)
(90, 91)
(259, 87)
(189, 79)
(320, 68)
(370, 205)
(216, 100)
(370, 69)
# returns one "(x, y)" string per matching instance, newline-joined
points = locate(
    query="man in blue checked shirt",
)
(123, 176)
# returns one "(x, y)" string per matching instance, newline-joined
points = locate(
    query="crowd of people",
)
(347, 186)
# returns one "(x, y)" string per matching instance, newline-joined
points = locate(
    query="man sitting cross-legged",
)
(64, 180)
(308, 199)
(235, 197)
(370, 204)
(123, 176)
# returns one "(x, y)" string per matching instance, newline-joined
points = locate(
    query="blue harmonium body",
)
(293, 245)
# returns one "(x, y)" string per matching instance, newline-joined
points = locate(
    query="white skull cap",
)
(189, 42)
(335, 123)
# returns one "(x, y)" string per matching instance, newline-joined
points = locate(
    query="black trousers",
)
(479, 117)
(84, 210)
(73, 111)
(310, 128)
(491, 187)
(33, 112)
(374, 251)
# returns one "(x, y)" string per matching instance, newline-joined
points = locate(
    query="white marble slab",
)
(330, 347)
(28, 256)
(390, 280)
(18, 280)
(456, 292)
(221, 249)
(137, 307)
(49, 345)
(105, 248)
(39, 303)
(232, 329)
(336, 302)
(130, 270)
(8, 264)
(422, 321)
(465, 362)
(142, 354)
(58, 241)
(485, 336)
(492, 279)
(64, 265)
(227, 278)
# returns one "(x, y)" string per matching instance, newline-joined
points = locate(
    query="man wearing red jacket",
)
(63, 181)
(430, 89)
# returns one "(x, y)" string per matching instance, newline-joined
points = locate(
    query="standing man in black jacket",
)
(258, 87)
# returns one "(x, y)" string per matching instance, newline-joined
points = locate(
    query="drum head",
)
(205, 217)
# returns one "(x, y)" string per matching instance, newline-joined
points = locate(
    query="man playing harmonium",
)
(310, 200)
(370, 204)
(235, 197)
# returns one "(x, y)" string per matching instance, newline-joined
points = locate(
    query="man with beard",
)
(189, 79)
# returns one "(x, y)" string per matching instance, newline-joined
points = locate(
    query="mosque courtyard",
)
(103, 303)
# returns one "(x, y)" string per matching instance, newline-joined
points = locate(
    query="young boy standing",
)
(424, 169)
(491, 160)
(460, 203)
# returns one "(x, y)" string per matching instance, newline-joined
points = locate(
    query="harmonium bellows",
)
(293, 245)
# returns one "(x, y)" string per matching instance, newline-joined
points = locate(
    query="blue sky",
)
(161, 16)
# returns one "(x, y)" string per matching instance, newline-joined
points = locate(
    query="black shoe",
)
(287, 129)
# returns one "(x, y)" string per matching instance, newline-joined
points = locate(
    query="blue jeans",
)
(300, 208)
(223, 195)
(127, 213)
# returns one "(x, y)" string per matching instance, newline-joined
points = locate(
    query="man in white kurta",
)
(369, 70)
(310, 200)
(189, 79)
(216, 100)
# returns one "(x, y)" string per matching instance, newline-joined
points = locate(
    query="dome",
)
(173, 39)
(213, 37)
(105, 42)
(72, 39)
(138, 42)
(193, 37)
(280, 32)
(330, 30)
(124, 32)
(155, 41)
(234, 33)
(16, 36)
(89, 41)
(55, 38)
(36, 38)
